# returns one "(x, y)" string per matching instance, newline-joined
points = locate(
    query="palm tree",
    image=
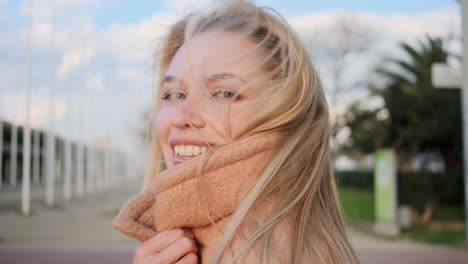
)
(421, 118)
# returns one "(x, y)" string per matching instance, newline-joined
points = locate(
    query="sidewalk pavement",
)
(81, 232)
(84, 223)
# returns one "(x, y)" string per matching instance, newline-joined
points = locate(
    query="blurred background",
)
(76, 91)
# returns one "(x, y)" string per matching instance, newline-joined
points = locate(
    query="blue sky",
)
(381, 7)
(129, 12)
(126, 11)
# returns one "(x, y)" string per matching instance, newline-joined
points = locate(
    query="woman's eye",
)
(226, 95)
(172, 96)
(179, 96)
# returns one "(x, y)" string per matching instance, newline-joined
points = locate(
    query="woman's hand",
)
(168, 247)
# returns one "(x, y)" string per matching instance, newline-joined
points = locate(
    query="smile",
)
(189, 150)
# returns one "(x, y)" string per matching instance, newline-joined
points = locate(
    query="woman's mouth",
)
(189, 150)
(186, 152)
(186, 148)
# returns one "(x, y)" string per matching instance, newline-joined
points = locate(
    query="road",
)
(81, 232)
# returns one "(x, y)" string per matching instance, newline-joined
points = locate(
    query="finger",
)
(190, 258)
(176, 250)
(188, 233)
(158, 242)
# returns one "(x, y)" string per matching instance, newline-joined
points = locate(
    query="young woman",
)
(241, 170)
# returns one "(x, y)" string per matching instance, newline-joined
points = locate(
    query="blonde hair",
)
(300, 176)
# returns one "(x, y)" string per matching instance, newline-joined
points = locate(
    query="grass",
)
(449, 213)
(358, 206)
(438, 237)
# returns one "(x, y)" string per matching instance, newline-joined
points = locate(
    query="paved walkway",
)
(82, 223)
(81, 232)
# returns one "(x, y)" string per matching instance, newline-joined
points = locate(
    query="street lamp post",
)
(444, 75)
(26, 179)
(464, 97)
(50, 140)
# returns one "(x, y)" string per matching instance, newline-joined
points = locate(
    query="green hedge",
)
(357, 179)
(414, 188)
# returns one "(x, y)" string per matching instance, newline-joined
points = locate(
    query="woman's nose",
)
(188, 115)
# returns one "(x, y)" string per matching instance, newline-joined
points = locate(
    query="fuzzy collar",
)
(183, 197)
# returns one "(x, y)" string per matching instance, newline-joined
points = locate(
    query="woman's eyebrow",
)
(169, 78)
(214, 77)
(225, 76)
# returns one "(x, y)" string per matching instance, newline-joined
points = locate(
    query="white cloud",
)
(75, 58)
(46, 9)
(95, 82)
(393, 28)
(184, 6)
(133, 74)
(137, 42)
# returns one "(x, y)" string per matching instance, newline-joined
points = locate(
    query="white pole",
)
(105, 169)
(87, 170)
(128, 171)
(26, 182)
(43, 151)
(111, 168)
(102, 168)
(50, 160)
(464, 97)
(116, 172)
(67, 170)
(80, 151)
(67, 180)
(127, 164)
(108, 167)
(13, 154)
(50, 163)
(95, 168)
(81, 123)
(90, 179)
(119, 167)
(122, 167)
(79, 171)
(36, 156)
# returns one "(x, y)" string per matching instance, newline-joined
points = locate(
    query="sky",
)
(124, 11)
(100, 53)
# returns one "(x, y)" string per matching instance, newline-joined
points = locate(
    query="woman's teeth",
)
(189, 150)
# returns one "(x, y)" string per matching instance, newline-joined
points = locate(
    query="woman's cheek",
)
(162, 126)
(240, 117)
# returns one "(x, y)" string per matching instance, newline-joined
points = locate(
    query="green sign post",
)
(385, 192)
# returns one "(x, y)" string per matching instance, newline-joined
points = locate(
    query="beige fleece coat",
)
(183, 198)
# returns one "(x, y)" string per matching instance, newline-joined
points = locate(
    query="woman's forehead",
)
(214, 52)
(210, 79)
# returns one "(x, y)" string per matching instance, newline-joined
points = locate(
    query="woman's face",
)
(208, 94)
